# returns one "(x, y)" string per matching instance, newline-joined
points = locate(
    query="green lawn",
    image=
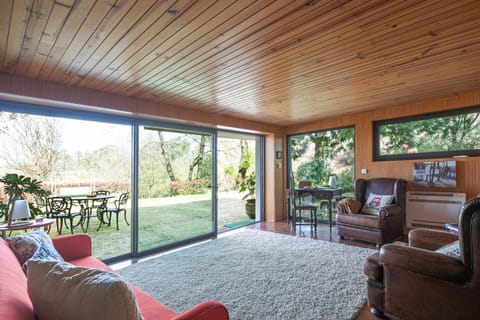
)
(167, 224)
(158, 225)
(161, 221)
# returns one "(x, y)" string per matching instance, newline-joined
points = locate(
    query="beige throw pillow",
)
(61, 291)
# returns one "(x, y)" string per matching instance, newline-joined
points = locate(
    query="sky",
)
(80, 135)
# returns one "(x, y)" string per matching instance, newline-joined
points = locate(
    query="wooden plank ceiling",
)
(282, 62)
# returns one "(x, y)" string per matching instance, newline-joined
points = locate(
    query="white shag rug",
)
(259, 275)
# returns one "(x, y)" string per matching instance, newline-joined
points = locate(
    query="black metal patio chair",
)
(119, 207)
(60, 208)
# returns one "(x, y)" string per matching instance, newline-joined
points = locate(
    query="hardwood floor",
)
(323, 233)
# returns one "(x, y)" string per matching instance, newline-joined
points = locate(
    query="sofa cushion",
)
(361, 220)
(151, 309)
(59, 290)
(33, 245)
(14, 300)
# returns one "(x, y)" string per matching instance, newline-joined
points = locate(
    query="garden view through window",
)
(175, 179)
(315, 156)
(73, 158)
(437, 135)
(187, 183)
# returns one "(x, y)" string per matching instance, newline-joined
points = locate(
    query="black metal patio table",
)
(87, 205)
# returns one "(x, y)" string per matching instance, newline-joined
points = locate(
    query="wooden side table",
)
(32, 224)
(323, 194)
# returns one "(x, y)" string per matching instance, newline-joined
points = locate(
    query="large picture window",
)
(315, 156)
(432, 135)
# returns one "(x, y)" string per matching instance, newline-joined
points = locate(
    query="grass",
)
(161, 224)
(161, 221)
(167, 220)
(167, 224)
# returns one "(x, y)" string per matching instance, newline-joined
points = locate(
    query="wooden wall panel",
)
(468, 169)
(58, 95)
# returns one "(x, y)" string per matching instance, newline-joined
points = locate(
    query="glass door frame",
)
(259, 169)
(135, 189)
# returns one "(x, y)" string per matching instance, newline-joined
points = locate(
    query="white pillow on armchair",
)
(375, 202)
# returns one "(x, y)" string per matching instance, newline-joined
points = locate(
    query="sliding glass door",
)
(239, 167)
(167, 171)
(175, 177)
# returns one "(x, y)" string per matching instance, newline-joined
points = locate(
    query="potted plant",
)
(248, 185)
(16, 187)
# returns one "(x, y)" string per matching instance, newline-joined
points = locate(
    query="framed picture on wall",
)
(441, 174)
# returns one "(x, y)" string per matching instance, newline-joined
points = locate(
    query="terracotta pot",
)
(250, 208)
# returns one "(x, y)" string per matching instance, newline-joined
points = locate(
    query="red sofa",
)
(15, 303)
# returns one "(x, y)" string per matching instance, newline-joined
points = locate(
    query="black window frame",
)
(422, 155)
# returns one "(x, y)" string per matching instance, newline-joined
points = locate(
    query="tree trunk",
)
(243, 157)
(166, 159)
(201, 154)
(198, 161)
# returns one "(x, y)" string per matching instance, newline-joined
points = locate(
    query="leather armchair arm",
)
(424, 262)
(430, 239)
(390, 210)
(207, 310)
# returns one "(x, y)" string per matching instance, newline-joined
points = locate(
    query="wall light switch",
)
(363, 171)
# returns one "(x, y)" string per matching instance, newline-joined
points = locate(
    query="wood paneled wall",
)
(468, 169)
(59, 95)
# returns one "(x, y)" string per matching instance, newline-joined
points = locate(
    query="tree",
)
(198, 160)
(34, 144)
(246, 159)
(170, 161)
(449, 133)
(319, 154)
(151, 173)
(166, 157)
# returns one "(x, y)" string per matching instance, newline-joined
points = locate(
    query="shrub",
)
(114, 186)
(189, 187)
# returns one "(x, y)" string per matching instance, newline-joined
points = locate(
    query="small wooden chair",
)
(298, 204)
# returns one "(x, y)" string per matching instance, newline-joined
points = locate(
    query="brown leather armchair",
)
(415, 282)
(385, 227)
